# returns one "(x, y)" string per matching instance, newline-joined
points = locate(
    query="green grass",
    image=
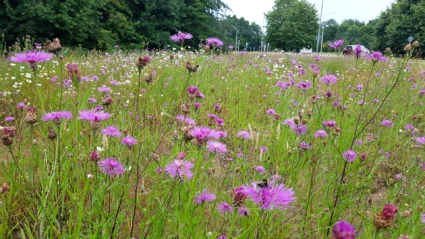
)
(57, 192)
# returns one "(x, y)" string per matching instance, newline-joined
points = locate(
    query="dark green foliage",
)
(102, 24)
(292, 24)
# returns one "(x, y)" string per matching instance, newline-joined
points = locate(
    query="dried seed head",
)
(53, 47)
(94, 125)
(310, 112)
(51, 134)
(154, 156)
(30, 116)
(301, 113)
(415, 44)
(408, 48)
(7, 140)
(5, 188)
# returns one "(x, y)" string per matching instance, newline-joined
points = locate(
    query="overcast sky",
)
(363, 10)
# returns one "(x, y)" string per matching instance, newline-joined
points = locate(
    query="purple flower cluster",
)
(344, 230)
(329, 79)
(181, 36)
(94, 116)
(57, 116)
(376, 56)
(269, 197)
(204, 196)
(31, 57)
(111, 167)
(336, 44)
(214, 41)
(180, 168)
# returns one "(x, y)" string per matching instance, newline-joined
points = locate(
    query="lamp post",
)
(323, 30)
(320, 26)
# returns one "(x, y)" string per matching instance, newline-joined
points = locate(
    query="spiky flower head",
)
(376, 56)
(204, 196)
(336, 44)
(111, 167)
(180, 168)
(343, 230)
(181, 37)
(57, 116)
(329, 79)
(216, 42)
(269, 196)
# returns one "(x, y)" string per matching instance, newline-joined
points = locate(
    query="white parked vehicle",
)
(306, 51)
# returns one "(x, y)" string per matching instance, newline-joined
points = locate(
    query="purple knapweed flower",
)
(420, 140)
(243, 211)
(304, 145)
(329, 79)
(201, 134)
(57, 116)
(263, 149)
(269, 197)
(180, 168)
(387, 123)
(344, 230)
(224, 207)
(92, 115)
(111, 167)
(271, 112)
(214, 41)
(329, 123)
(336, 44)
(129, 141)
(181, 36)
(260, 169)
(104, 89)
(9, 118)
(31, 57)
(216, 147)
(244, 134)
(358, 51)
(21, 105)
(111, 131)
(350, 155)
(423, 218)
(321, 134)
(204, 196)
(376, 56)
(300, 128)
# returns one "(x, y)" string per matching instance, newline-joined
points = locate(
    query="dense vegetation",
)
(102, 24)
(293, 24)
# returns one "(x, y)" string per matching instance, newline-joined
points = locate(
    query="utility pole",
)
(320, 26)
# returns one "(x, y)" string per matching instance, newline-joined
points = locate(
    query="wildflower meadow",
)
(211, 143)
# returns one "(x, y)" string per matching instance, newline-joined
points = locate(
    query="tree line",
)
(293, 24)
(106, 24)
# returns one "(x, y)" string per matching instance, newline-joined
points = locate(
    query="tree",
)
(330, 30)
(403, 19)
(292, 24)
(247, 32)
